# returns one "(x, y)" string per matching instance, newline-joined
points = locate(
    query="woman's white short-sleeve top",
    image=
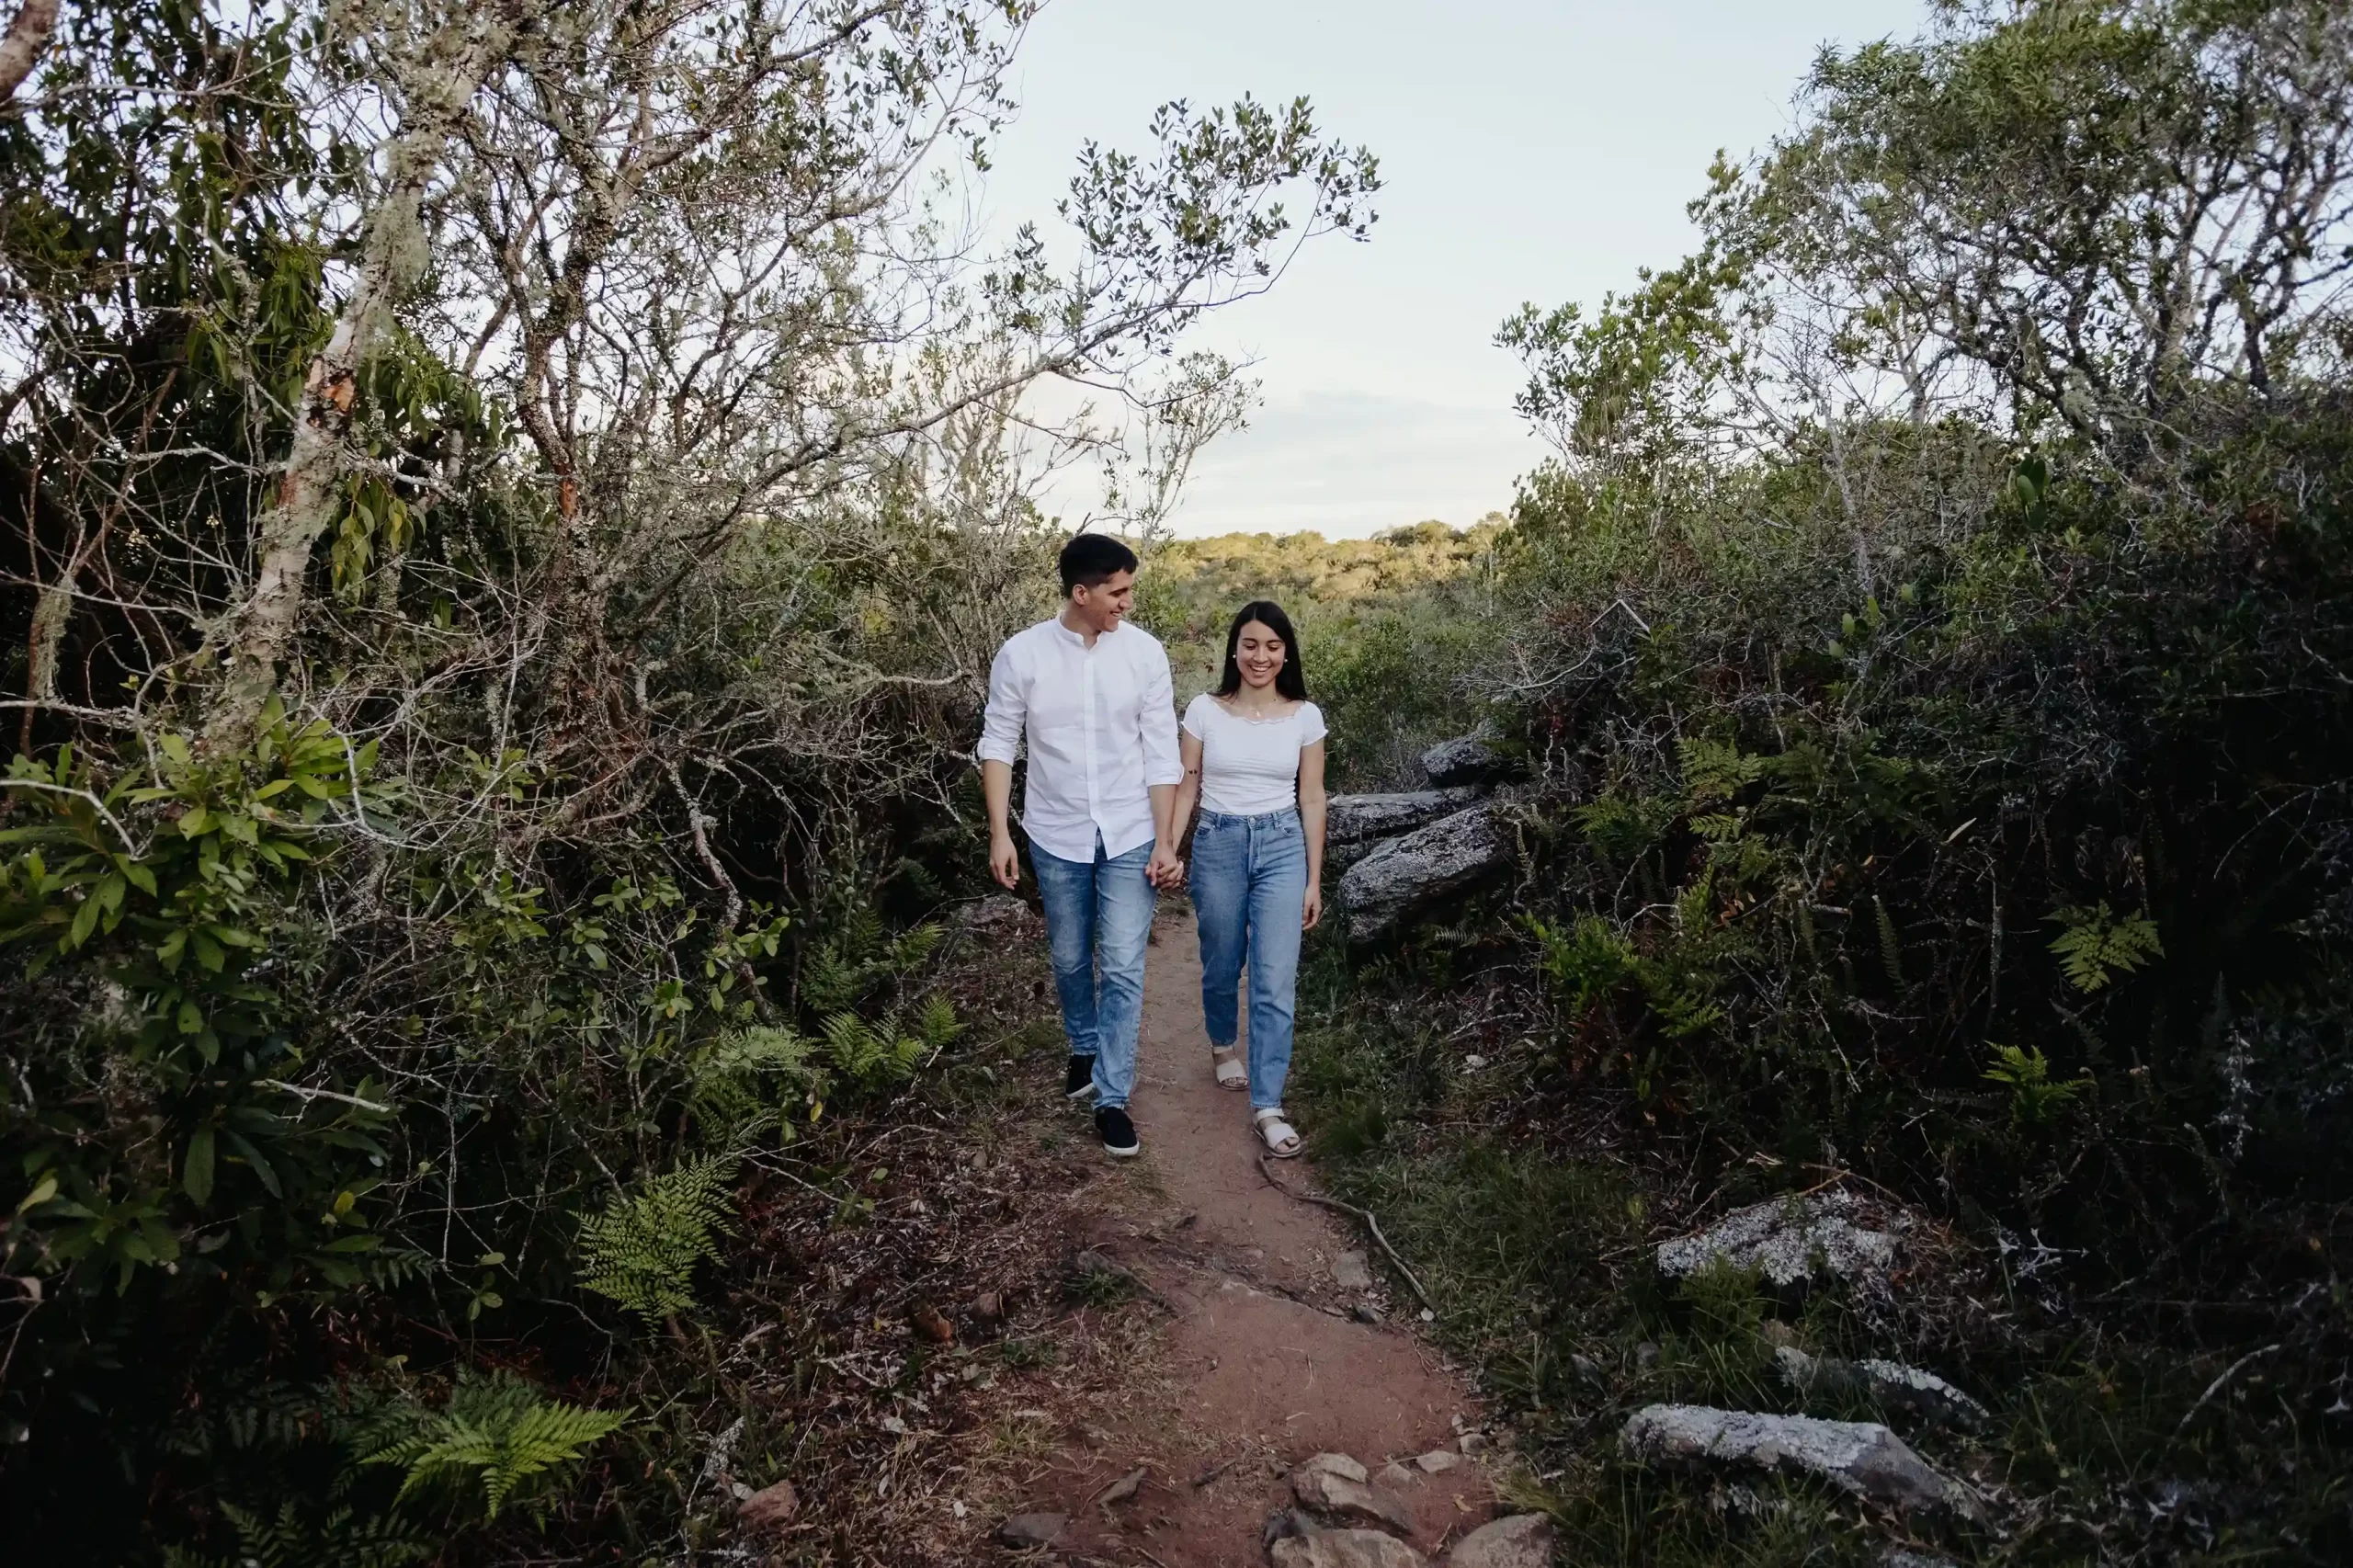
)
(1250, 767)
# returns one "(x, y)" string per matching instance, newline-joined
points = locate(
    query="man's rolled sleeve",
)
(1007, 711)
(1162, 764)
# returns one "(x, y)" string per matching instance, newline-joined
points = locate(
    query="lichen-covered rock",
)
(1890, 1383)
(1345, 1549)
(1786, 1240)
(1858, 1457)
(1356, 819)
(1407, 875)
(1517, 1540)
(1465, 760)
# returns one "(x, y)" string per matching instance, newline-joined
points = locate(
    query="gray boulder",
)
(1465, 760)
(1406, 875)
(1861, 1457)
(1517, 1540)
(1786, 1239)
(1892, 1384)
(1361, 819)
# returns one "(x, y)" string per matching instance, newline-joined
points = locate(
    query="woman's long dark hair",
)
(1291, 680)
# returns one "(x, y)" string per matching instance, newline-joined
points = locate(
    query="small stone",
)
(1586, 1367)
(1351, 1272)
(1465, 760)
(1337, 1464)
(1517, 1540)
(932, 1324)
(1394, 1476)
(1429, 1316)
(1025, 1530)
(1287, 1524)
(1473, 1063)
(1646, 1355)
(1337, 1491)
(1121, 1489)
(1473, 1444)
(1438, 1462)
(1346, 1548)
(769, 1508)
(893, 1425)
(1365, 1313)
(988, 1306)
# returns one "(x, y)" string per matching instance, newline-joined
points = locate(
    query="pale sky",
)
(1529, 152)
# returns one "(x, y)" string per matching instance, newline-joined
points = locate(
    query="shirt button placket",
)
(1086, 701)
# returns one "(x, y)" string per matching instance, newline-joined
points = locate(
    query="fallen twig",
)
(1215, 1471)
(1365, 1214)
(1093, 1257)
(2216, 1386)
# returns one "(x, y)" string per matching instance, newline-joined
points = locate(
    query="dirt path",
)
(1260, 1361)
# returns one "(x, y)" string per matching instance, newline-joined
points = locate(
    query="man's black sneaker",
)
(1119, 1132)
(1079, 1082)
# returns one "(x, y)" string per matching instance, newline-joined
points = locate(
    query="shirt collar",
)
(1077, 639)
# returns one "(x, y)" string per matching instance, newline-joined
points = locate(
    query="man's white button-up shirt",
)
(1101, 723)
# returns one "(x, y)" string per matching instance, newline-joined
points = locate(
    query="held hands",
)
(1165, 871)
(1005, 865)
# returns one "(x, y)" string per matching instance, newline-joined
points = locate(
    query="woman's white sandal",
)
(1282, 1137)
(1230, 1073)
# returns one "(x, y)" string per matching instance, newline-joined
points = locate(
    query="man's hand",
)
(1005, 864)
(1165, 870)
(1314, 913)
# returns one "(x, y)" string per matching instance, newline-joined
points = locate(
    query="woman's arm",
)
(1311, 817)
(1189, 789)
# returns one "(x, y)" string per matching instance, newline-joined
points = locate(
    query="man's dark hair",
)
(1093, 559)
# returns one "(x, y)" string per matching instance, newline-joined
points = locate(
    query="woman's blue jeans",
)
(1249, 881)
(1098, 919)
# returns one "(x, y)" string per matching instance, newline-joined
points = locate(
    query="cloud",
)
(1347, 464)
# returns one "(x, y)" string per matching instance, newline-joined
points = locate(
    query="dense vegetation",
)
(1930, 647)
(505, 510)
(1392, 626)
(508, 508)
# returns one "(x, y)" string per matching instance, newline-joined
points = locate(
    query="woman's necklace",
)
(1259, 712)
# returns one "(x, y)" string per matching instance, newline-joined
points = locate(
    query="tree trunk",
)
(21, 46)
(392, 256)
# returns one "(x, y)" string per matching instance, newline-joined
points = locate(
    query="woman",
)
(1254, 758)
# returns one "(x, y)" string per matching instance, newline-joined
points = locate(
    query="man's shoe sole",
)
(1080, 1093)
(1129, 1152)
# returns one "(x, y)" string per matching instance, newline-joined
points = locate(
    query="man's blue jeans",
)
(1249, 885)
(1099, 918)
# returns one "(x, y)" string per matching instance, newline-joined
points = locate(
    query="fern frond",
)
(937, 1023)
(496, 1434)
(2096, 945)
(641, 1250)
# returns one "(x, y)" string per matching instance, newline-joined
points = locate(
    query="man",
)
(1092, 697)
